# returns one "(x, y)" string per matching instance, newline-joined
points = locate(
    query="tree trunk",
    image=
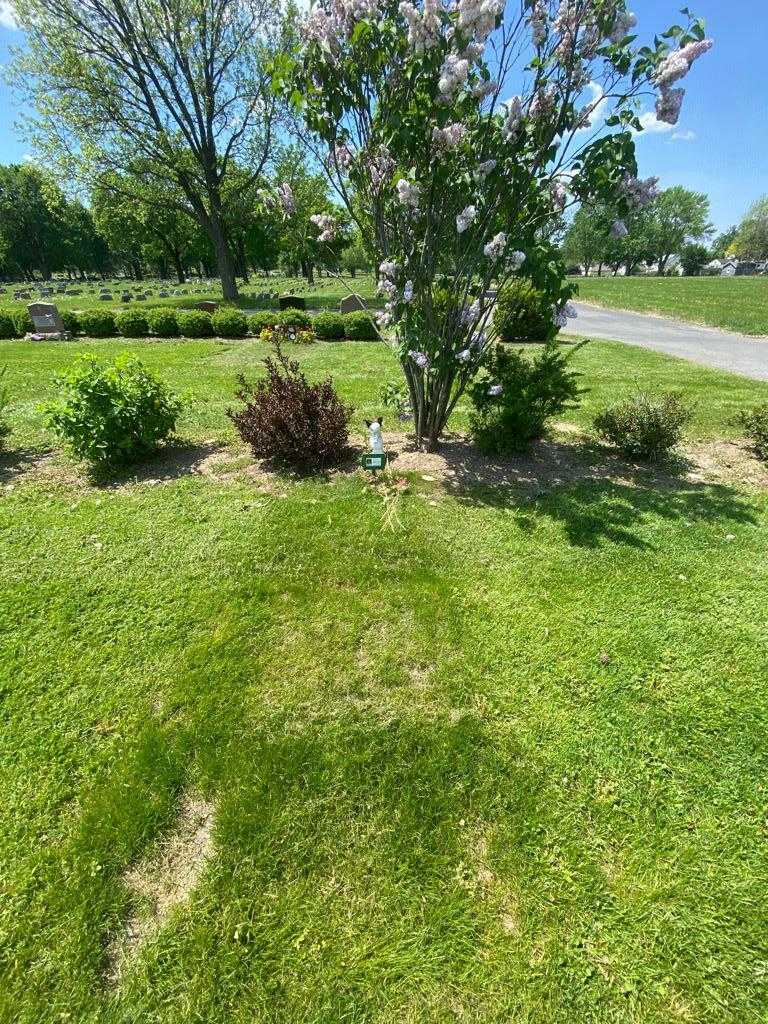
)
(600, 270)
(178, 265)
(224, 262)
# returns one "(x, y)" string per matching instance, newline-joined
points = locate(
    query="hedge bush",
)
(287, 418)
(329, 326)
(523, 313)
(261, 321)
(22, 322)
(194, 323)
(70, 320)
(532, 391)
(113, 414)
(230, 323)
(162, 322)
(645, 426)
(131, 323)
(295, 318)
(97, 323)
(7, 326)
(358, 326)
(755, 426)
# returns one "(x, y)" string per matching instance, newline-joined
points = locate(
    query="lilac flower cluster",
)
(326, 226)
(478, 17)
(537, 22)
(637, 191)
(380, 167)
(562, 314)
(423, 29)
(286, 198)
(333, 21)
(495, 248)
(466, 218)
(625, 22)
(672, 69)
(484, 169)
(409, 194)
(449, 137)
(453, 76)
(342, 156)
(420, 358)
(559, 195)
(513, 117)
(619, 229)
(481, 90)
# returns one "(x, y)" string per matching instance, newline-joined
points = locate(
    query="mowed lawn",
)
(504, 761)
(731, 303)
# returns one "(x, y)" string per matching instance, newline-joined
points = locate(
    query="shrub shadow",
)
(17, 462)
(595, 493)
(171, 462)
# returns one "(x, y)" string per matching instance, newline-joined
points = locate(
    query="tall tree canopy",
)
(751, 241)
(180, 85)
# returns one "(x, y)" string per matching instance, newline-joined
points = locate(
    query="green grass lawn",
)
(504, 762)
(731, 303)
(204, 372)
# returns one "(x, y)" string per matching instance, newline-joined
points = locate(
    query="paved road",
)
(737, 353)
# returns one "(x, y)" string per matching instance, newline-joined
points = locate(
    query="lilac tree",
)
(455, 183)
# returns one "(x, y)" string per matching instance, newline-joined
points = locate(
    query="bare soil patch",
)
(163, 881)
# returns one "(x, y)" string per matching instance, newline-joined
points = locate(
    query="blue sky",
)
(720, 146)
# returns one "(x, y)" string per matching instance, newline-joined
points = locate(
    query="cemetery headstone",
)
(351, 304)
(292, 302)
(208, 307)
(48, 325)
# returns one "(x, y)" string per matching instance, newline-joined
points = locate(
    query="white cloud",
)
(684, 136)
(7, 15)
(652, 125)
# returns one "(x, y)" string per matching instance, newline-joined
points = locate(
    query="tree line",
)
(675, 224)
(129, 227)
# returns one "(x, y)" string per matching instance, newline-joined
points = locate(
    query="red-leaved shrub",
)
(288, 419)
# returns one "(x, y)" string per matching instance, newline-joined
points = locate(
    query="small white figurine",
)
(374, 435)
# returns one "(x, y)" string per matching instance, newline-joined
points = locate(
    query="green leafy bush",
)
(295, 318)
(523, 313)
(22, 321)
(230, 323)
(358, 326)
(329, 326)
(263, 320)
(70, 320)
(97, 323)
(194, 323)
(645, 426)
(7, 326)
(286, 418)
(755, 426)
(131, 323)
(162, 322)
(514, 403)
(113, 414)
(4, 401)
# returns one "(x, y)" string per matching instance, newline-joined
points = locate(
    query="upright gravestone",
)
(292, 302)
(351, 304)
(208, 307)
(48, 325)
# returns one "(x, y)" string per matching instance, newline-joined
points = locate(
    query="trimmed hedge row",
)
(166, 322)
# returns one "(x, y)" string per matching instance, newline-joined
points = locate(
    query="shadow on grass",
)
(17, 462)
(171, 462)
(595, 493)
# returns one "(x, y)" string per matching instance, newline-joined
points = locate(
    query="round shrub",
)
(284, 417)
(514, 403)
(262, 321)
(755, 426)
(296, 318)
(70, 320)
(7, 326)
(329, 326)
(230, 323)
(97, 323)
(162, 322)
(358, 326)
(194, 323)
(131, 323)
(113, 414)
(645, 426)
(523, 313)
